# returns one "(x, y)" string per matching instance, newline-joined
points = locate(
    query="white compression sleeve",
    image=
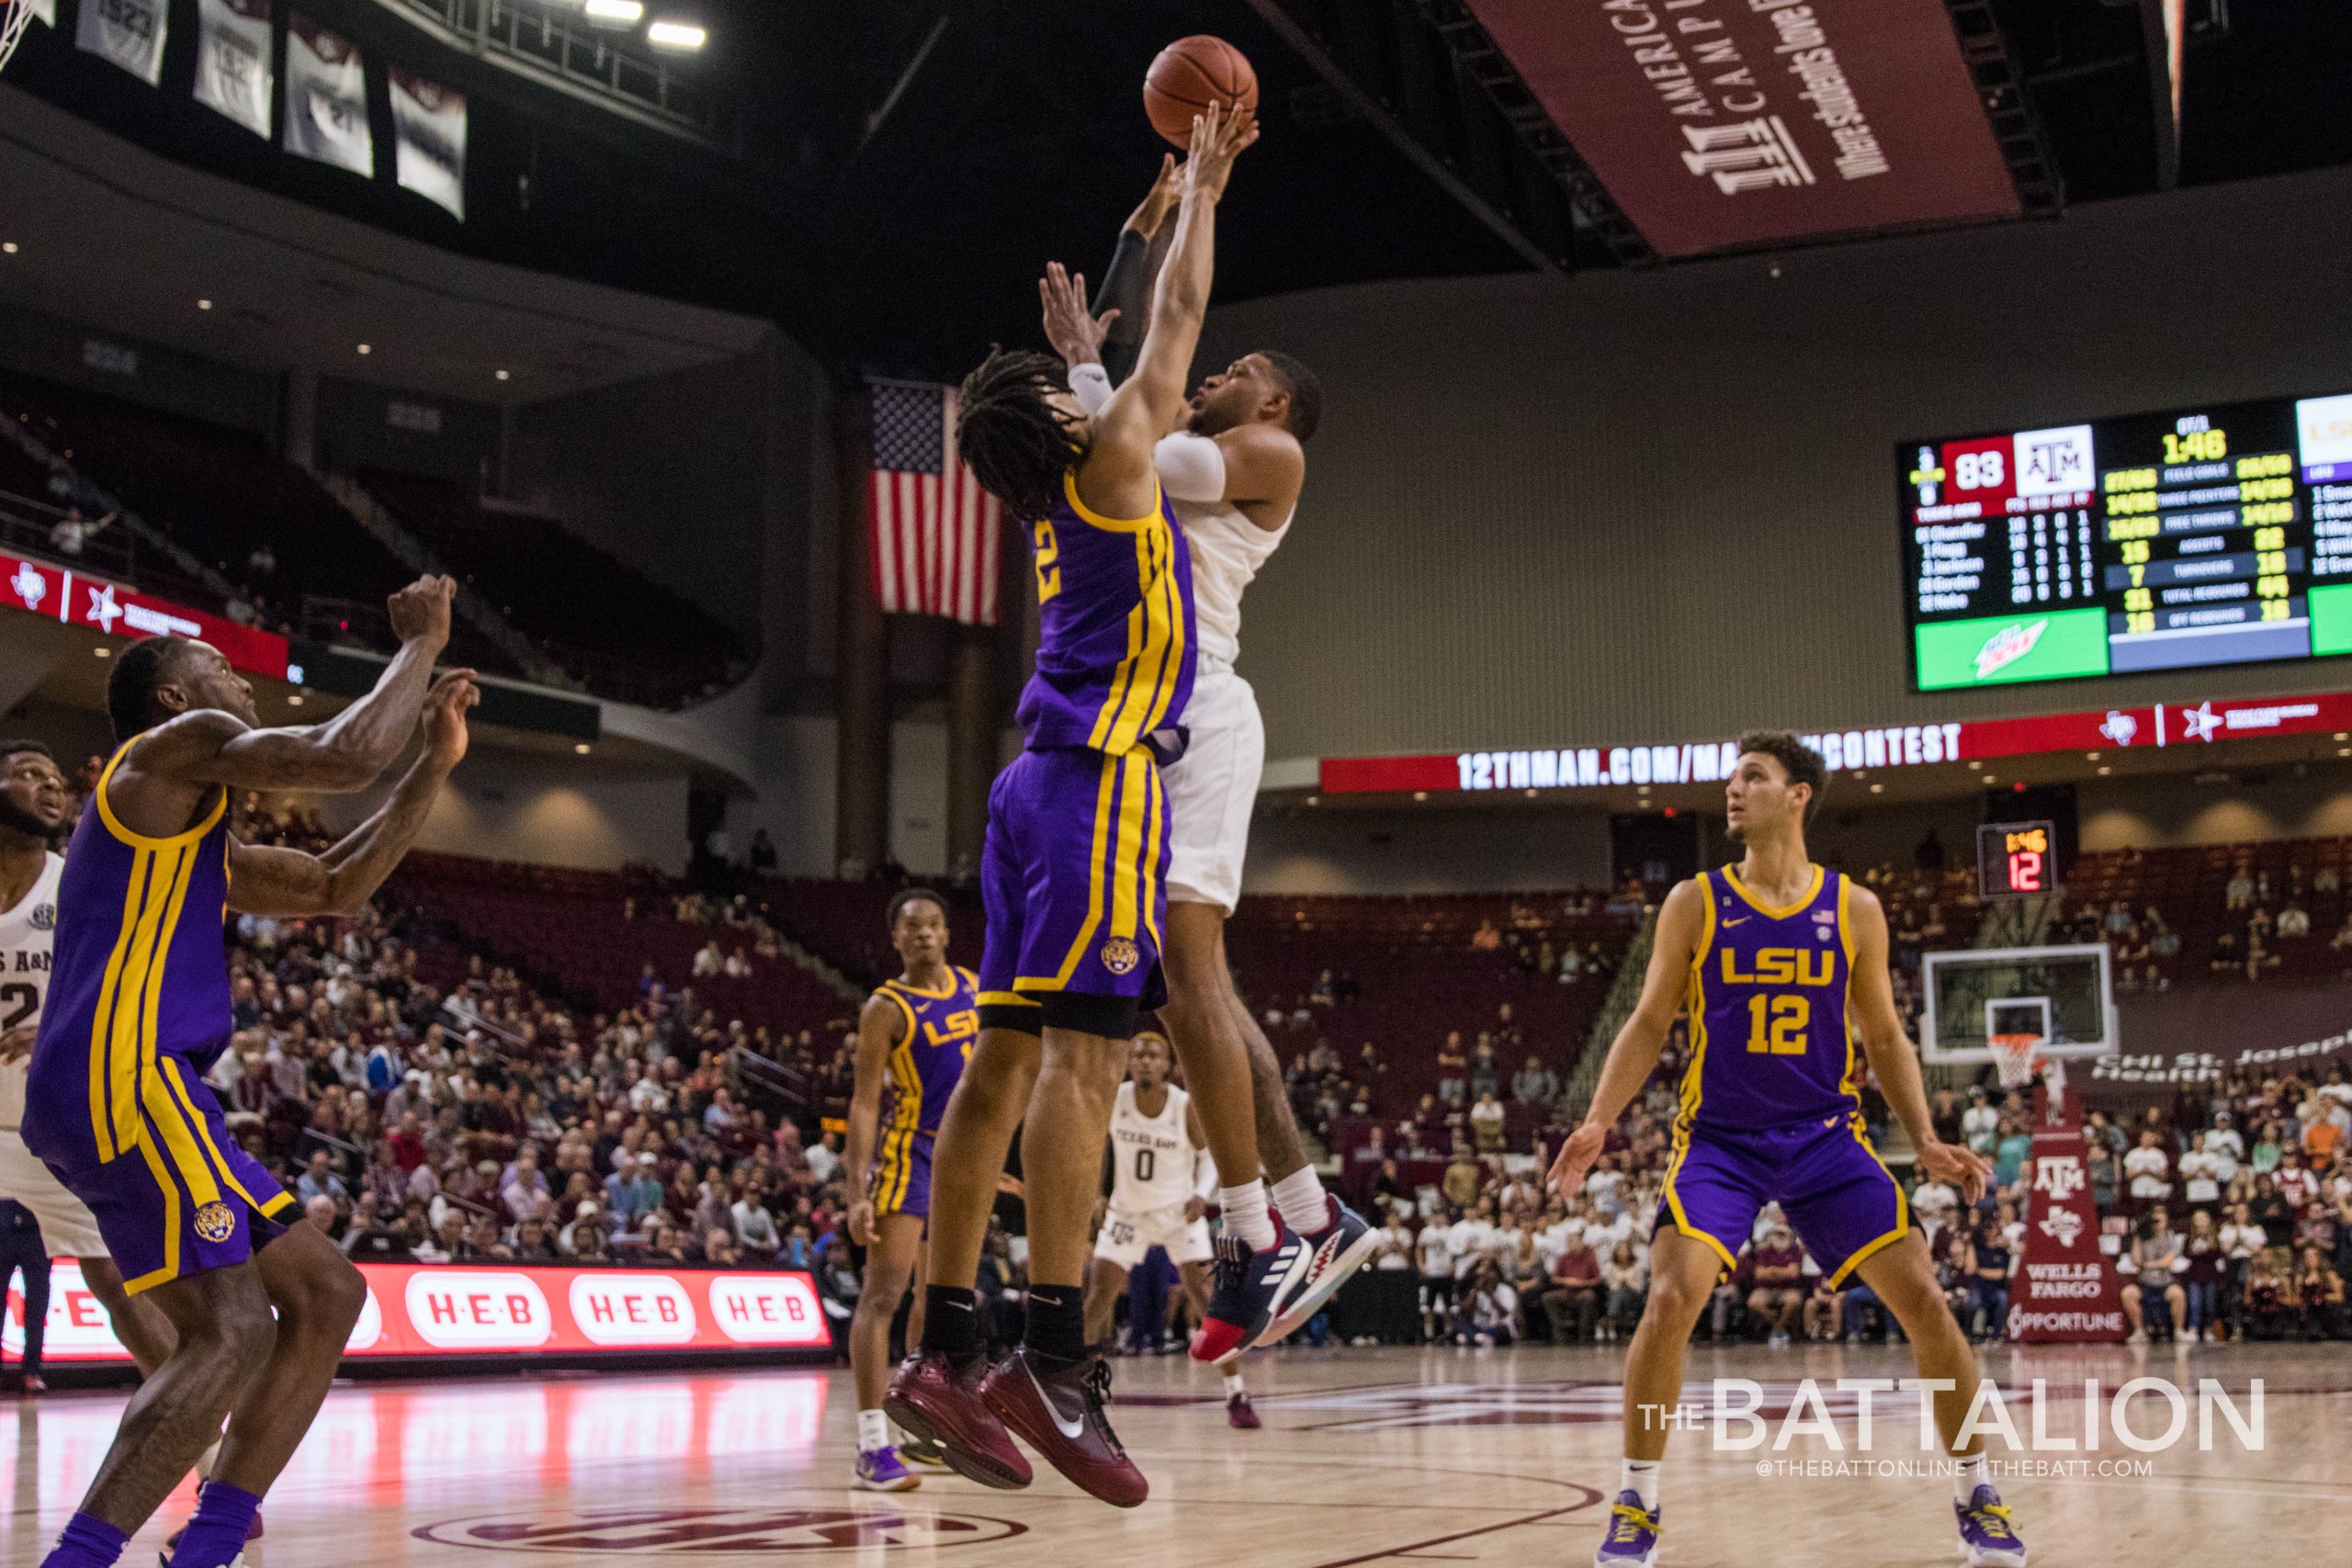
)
(1191, 467)
(1091, 385)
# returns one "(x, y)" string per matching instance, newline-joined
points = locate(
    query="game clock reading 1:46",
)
(2015, 859)
(2221, 535)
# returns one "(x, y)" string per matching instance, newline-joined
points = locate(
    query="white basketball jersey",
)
(27, 933)
(1229, 551)
(1152, 1155)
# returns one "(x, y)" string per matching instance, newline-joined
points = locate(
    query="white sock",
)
(1246, 1215)
(873, 1431)
(1233, 1383)
(1298, 1198)
(1639, 1477)
(1972, 1473)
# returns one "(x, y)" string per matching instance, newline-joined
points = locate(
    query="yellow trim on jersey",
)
(1009, 999)
(1155, 640)
(1674, 1207)
(141, 841)
(103, 1108)
(1128, 890)
(1151, 896)
(1087, 514)
(910, 988)
(171, 1269)
(1901, 1207)
(1085, 938)
(177, 1081)
(1847, 1084)
(1694, 1075)
(1811, 891)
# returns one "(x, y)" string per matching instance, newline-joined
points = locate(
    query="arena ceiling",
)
(908, 165)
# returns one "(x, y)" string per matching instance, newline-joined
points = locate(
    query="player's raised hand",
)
(1217, 139)
(419, 613)
(1964, 1167)
(1158, 201)
(1074, 330)
(1576, 1156)
(446, 731)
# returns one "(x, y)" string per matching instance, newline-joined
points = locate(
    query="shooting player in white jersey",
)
(1234, 470)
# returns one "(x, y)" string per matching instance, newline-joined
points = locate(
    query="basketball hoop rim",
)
(2014, 1058)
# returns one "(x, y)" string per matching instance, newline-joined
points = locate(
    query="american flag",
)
(935, 530)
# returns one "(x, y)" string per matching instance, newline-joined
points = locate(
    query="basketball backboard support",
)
(2064, 996)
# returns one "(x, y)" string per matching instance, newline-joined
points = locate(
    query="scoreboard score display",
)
(2220, 536)
(2015, 859)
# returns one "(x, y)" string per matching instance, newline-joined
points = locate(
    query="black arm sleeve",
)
(1128, 286)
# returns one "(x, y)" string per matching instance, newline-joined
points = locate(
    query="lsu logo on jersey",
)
(964, 1026)
(1781, 966)
(214, 1223)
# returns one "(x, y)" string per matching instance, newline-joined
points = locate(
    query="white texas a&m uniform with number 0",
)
(1213, 788)
(1152, 1182)
(27, 933)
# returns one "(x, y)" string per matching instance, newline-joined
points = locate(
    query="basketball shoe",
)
(249, 1558)
(1984, 1534)
(941, 1403)
(1344, 1244)
(878, 1470)
(1059, 1413)
(1632, 1540)
(1239, 1414)
(1248, 1287)
(917, 1454)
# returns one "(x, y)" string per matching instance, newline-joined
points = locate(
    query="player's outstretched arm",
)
(344, 754)
(265, 879)
(1118, 465)
(877, 1035)
(1633, 1055)
(1892, 1061)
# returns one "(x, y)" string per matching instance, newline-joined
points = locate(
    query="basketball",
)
(1188, 77)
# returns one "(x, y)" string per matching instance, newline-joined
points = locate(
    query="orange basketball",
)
(1188, 77)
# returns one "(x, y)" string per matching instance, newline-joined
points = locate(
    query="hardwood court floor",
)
(1480, 1456)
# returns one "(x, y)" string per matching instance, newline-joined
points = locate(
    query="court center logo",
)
(704, 1533)
(214, 1222)
(1119, 955)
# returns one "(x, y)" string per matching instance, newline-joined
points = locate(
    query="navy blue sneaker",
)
(1344, 1244)
(1248, 1285)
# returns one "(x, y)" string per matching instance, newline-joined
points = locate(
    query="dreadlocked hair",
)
(1016, 443)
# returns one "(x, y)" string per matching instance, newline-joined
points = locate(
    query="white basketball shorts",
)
(67, 1227)
(1211, 790)
(1126, 1238)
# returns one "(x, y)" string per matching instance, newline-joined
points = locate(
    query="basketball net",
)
(13, 22)
(2018, 1059)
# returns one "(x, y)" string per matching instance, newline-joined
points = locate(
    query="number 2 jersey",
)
(1770, 1045)
(28, 934)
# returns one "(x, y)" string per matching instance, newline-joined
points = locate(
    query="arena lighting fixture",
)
(204, 304)
(616, 13)
(1421, 794)
(10, 247)
(367, 348)
(1878, 789)
(581, 747)
(2090, 756)
(2344, 735)
(505, 375)
(2104, 772)
(293, 699)
(683, 37)
(103, 652)
(1531, 794)
(1314, 800)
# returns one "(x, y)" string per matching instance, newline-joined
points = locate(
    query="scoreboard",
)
(2015, 859)
(2216, 536)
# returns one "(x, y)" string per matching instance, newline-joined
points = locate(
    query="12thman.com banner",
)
(428, 1310)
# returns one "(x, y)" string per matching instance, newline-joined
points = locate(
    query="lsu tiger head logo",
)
(214, 1223)
(1119, 955)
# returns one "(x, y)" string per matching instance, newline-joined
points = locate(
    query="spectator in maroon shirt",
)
(1779, 1282)
(1575, 1273)
(407, 1144)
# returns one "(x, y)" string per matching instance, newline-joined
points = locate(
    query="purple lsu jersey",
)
(1115, 630)
(1768, 1041)
(940, 1028)
(138, 1008)
(1771, 1103)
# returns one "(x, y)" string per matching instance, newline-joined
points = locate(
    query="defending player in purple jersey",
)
(1073, 877)
(114, 1101)
(1784, 968)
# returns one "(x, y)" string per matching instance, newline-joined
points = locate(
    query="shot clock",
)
(2221, 535)
(2015, 859)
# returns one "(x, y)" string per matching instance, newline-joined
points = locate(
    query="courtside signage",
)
(425, 1311)
(1892, 746)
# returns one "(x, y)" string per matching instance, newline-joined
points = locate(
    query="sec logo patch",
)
(215, 1222)
(44, 917)
(1119, 955)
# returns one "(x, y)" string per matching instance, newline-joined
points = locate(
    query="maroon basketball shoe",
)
(1059, 1413)
(930, 1398)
